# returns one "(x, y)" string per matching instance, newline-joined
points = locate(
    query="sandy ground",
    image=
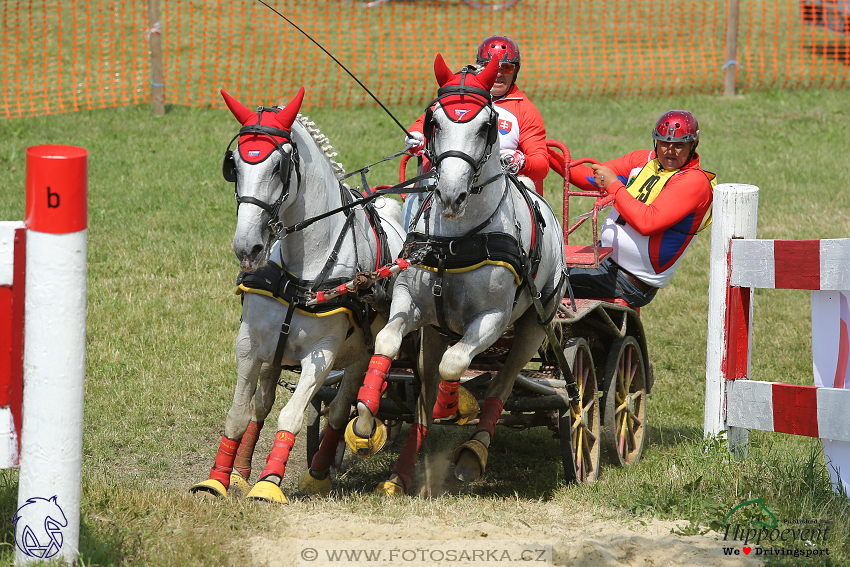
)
(583, 538)
(594, 543)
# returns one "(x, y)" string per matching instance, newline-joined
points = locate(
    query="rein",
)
(394, 190)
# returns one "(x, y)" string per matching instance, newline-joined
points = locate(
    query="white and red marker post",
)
(741, 263)
(54, 341)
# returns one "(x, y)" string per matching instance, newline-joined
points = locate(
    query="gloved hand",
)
(415, 143)
(512, 160)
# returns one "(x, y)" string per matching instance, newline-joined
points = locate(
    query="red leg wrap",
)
(374, 382)
(404, 466)
(223, 465)
(324, 457)
(246, 448)
(446, 405)
(276, 461)
(489, 416)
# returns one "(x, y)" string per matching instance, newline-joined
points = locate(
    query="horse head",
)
(265, 169)
(462, 128)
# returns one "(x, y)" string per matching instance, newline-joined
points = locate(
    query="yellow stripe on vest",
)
(475, 266)
(241, 288)
(651, 180)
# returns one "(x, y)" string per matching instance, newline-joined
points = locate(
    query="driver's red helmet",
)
(676, 126)
(504, 48)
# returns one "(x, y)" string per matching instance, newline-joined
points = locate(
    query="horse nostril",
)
(256, 251)
(461, 198)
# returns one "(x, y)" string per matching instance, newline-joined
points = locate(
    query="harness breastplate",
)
(272, 280)
(494, 248)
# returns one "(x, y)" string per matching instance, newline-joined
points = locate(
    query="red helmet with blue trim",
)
(504, 48)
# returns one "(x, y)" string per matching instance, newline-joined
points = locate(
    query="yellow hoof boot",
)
(238, 484)
(365, 446)
(312, 486)
(389, 488)
(470, 460)
(467, 405)
(210, 486)
(267, 491)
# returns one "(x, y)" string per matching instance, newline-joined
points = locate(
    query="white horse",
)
(283, 177)
(473, 284)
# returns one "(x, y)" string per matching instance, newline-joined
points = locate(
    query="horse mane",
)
(322, 142)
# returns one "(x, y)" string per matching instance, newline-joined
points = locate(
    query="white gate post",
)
(735, 215)
(47, 522)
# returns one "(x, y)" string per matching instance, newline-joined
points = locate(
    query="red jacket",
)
(649, 240)
(520, 128)
(687, 193)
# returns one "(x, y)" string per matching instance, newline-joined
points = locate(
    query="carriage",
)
(602, 341)
(484, 296)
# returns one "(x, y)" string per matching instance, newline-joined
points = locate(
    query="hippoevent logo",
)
(38, 527)
(760, 533)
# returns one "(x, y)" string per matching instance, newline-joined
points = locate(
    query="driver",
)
(662, 199)
(522, 135)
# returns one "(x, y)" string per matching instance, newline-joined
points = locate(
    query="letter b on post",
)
(57, 189)
(52, 199)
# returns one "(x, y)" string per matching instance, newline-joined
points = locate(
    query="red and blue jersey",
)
(650, 235)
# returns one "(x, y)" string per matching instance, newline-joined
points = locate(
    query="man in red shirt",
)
(522, 135)
(662, 199)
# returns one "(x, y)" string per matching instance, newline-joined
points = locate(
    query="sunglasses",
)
(504, 68)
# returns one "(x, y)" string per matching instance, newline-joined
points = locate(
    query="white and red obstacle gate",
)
(42, 352)
(739, 264)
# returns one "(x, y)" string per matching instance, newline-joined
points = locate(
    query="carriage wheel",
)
(580, 432)
(624, 417)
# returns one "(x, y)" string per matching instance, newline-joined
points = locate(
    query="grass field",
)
(162, 319)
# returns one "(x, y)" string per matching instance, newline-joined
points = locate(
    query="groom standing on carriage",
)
(522, 135)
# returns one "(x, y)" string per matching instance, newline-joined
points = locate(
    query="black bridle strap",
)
(394, 190)
(455, 153)
(252, 201)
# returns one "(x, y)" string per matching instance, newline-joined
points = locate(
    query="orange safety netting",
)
(60, 56)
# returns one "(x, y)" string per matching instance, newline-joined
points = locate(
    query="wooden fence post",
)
(731, 65)
(735, 215)
(154, 37)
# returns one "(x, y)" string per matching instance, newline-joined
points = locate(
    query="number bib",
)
(651, 180)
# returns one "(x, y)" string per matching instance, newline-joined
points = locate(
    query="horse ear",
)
(487, 77)
(287, 115)
(242, 114)
(442, 71)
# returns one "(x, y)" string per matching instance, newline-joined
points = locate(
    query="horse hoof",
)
(389, 488)
(210, 486)
(467, 406)
(313, 486)
(365, 447)
(470, 460)
(239, 484)
(267, 491)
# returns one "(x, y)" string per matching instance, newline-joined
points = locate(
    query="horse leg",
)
(238, 418)
(433, 347)
(317, 480)
(261, 405)
(315, 368)
(470, 458)
(365, 435)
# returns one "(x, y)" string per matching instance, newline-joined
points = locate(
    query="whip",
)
(305, 34)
